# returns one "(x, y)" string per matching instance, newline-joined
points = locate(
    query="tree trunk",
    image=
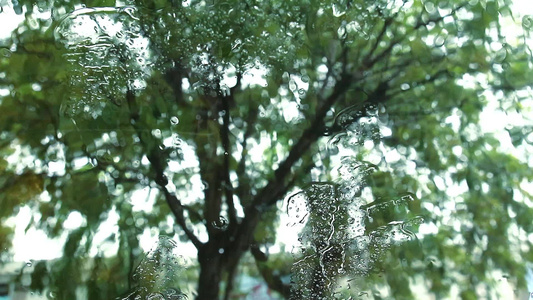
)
(210, 272)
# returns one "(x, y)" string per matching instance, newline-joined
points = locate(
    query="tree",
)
(101, 101)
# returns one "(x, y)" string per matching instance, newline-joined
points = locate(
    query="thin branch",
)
(192, 212)
(386, 25)
(174, 77)
(237, 85)
(224, 136)
(308, 137)
(210, 165)
(161, 180)
(305, 169)
(432, 78)
(369, 62)
(277, 186)
(243, 178)
(420, 23)
(384, 53)
(379, 38)
(326, 79)
(272, 279)
(230, 281)
(177, 209)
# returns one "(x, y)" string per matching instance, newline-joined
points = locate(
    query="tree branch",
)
(430, 79)
(379, 38)
(210, 165)
(272, 190)
(278, 185)
(224, 135)
(420, 23)
(386, 25)
(272, 279)
(161, 180)
(174, 77)
(326, 79)
(230, 281)
(244, 186)
(369, 63)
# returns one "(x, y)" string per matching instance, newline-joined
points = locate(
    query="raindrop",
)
(527, 22)
(205, 185)
(52, 295)
(29, 263)
(174, 120)
(363, 294)
(292, 85)
(5, 52)
(220, 224)
(440, 40)
(155, 296)
(156, 133)
(500, 55)
(159, 272)
(176, 140)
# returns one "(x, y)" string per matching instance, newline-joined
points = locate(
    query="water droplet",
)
(52, 295)
(440, 40)
(155, 296)
(158, 274)
(527, 22)
(156, 133)
(174, 120)
(176, 140)
(221, 223)
(500, 55)
(5, 52)
(29, 263)
(205, 185)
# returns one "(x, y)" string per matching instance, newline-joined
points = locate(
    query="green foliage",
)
(222, 109)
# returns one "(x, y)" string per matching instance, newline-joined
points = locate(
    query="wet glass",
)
(265, 149)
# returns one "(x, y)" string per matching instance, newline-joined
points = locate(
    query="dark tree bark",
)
(211, 269)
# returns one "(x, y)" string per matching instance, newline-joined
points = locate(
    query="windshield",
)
(266, 149)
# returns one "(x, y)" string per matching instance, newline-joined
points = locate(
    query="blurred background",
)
(344, 149)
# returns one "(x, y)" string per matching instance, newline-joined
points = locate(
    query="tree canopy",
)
(362, 123)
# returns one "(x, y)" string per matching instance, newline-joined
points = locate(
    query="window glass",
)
(343, 149)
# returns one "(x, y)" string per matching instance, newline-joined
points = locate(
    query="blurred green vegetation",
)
(370, 110)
